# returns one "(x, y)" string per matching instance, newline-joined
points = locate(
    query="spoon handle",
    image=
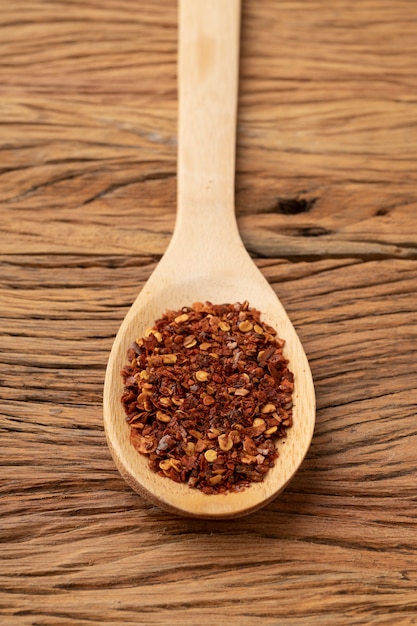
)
(208, 69)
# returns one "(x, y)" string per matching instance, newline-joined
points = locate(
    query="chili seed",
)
(176, 464)
(245, 326)
(189, 448)
(225, 442)
(248, 459)
(235, 437)
(268, 408)
(215, 480)
(241, 392)
(169, 359)
(202, 376)
(180, 319)
(200, 445)
(210, 455)
(190, 342)
(214, 431)
(144, 445)
(271, 431)
(148, 333)
(162, 417)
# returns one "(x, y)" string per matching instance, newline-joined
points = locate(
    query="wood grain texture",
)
(326, 201)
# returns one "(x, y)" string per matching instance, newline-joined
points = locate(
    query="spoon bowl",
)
(206, 261)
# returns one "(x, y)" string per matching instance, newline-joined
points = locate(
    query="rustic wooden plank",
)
(81, 547)
(326, 109)
(326, 201)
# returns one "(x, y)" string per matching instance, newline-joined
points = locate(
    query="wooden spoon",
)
(206, 260)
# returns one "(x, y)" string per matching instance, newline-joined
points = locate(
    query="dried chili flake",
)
(207, 391)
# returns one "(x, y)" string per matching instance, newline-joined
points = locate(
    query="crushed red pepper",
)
(207, 391)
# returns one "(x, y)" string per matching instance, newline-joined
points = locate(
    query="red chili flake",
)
(207, 391)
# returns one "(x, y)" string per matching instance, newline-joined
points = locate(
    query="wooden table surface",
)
(326, 195)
